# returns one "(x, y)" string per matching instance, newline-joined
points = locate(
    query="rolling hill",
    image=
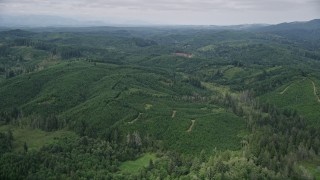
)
(120, 103)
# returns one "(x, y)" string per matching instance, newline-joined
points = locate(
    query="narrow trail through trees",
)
(173, 114)
(315, 91)
(136, 119)
(285, 89)
(190, 128)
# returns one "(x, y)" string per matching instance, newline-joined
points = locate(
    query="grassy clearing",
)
(34, 138)
(147, 106)
(313, 166)
(274, 68)
(232, 72)
(133, 167)
(208, 48)
(215, 87)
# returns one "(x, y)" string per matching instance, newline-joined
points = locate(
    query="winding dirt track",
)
(190, 128)
(315, 91)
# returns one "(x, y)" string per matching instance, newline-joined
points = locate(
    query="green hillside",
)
(300, 96)
(102, 95)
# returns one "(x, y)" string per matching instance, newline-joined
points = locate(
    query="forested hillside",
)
(160, 102)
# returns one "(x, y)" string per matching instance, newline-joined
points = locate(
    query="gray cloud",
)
(164, 5)
(169, 11)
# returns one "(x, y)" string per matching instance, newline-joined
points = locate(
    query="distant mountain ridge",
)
(307, 33)
(305, 25)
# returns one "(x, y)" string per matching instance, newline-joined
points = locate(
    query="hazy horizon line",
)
(96, 23)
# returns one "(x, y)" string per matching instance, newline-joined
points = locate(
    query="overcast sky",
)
(218, 12)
